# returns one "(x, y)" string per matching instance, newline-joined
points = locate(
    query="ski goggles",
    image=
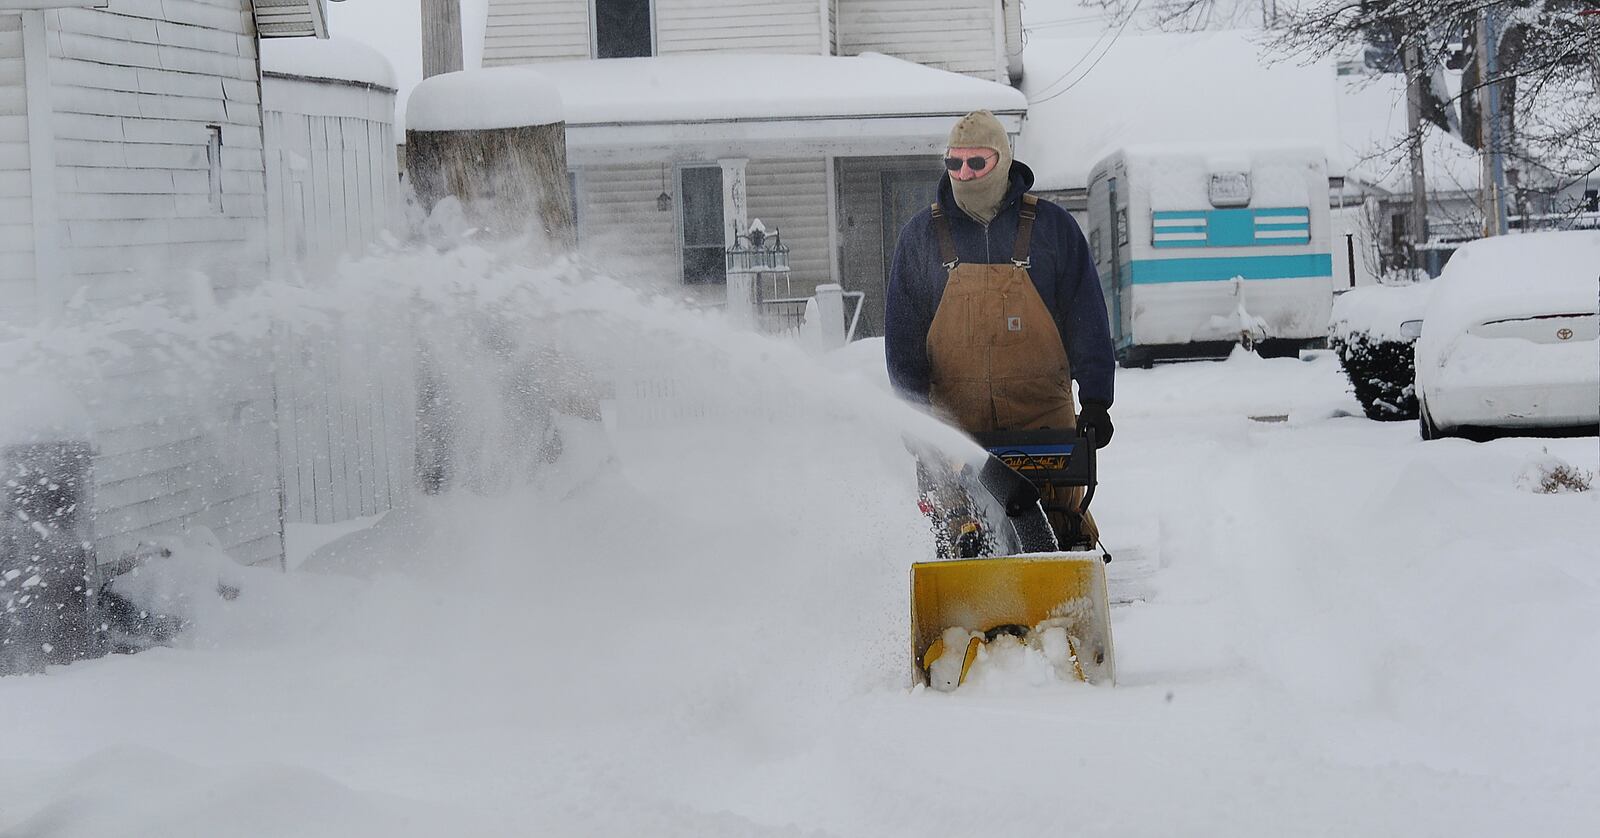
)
(977, 164)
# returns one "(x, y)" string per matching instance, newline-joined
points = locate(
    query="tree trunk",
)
(509, 180)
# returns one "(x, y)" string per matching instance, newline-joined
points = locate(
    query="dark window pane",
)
(703, 240)
(704, 265)
(622, 28)
(702, 206)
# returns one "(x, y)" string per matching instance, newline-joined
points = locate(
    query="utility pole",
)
(1490, 134)
(441, 37)
(1415, 78)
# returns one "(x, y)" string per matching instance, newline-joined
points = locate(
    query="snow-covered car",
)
(1510, 338)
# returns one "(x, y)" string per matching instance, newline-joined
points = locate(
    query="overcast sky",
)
(394, 28)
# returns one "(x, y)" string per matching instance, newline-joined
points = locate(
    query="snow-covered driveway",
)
(1347, 631)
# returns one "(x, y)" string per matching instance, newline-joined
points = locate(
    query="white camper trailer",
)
(1202, 247)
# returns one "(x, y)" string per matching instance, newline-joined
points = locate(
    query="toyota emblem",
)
(1564, 334)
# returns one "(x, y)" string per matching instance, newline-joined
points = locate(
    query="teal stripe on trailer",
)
(1163, 215)
(1202, 269)
(1302, 211)
(1282, 225)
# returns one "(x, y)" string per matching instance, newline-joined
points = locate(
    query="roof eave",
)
(291, 18)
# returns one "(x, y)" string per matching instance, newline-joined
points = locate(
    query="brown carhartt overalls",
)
(997, 359)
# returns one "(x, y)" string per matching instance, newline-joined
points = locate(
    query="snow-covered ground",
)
(699, 628)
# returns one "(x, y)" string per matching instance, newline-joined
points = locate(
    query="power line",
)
(1125, 22)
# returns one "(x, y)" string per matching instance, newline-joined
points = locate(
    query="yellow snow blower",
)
(1002, 576)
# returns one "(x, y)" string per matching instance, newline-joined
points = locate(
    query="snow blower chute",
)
(1002, 577)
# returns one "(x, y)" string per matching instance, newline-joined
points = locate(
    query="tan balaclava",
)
(981, 196)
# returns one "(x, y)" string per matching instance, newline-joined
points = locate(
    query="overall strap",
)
(1028, 212)
(947, 245)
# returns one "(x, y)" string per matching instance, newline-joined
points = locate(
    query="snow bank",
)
(475, 100)
(703, 632)
(341, 59)
(1089, 95)
(720, 86)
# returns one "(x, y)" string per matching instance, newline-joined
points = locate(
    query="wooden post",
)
(441, 37)
(742, 293)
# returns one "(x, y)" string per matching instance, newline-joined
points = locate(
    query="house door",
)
(1121, 328)
(905, 193)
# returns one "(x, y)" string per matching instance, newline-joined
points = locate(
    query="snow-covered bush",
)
(1373, 329)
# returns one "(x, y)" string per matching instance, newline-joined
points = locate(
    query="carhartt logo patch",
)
(1013, 324)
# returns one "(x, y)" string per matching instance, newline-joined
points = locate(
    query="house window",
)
(700, 188)
(622, 29)
(214, 165)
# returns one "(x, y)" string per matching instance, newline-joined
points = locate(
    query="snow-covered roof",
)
(1088, 96)
(494, 97)
(733, 86)
(1372, 132)
(341, 59)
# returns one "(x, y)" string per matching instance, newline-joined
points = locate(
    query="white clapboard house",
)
(825, 119)
(136, 160)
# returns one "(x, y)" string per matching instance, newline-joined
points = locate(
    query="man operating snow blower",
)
(994, 308)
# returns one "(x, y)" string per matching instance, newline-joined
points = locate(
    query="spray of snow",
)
(690, 616)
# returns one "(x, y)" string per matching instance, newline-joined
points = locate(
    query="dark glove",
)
(1095, 417)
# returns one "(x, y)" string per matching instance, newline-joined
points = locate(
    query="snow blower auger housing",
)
(1032, 594)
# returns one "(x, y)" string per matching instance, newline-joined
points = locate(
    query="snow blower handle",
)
(1021, 461)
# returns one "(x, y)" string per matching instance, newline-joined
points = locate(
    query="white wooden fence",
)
(345, 402)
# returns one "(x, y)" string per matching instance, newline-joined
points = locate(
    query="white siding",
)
(135, 88)
(792, 196)
(622, 228)
(955, 35)
(16, 213)
(521, 31)
(782, 26)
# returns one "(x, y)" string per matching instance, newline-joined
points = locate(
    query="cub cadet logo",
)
(1035, 462)
(1564, 334)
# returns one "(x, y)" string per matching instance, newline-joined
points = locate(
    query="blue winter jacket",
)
(1062, 271)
